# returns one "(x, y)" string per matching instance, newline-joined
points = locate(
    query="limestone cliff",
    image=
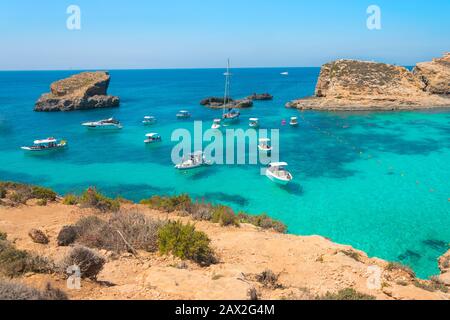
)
(86, 90)
(362, 85)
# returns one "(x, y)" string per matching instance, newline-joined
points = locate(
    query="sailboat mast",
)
(227, 87)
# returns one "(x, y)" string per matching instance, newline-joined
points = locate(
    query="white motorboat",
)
(183, 114)
(216, 124)
(107, 124)
(48, 144)
(278, 174)
(149, 120)
(293, 122)
(285, 73)
(192, 161)
(264, 145)
(254, 122)
(152, 138)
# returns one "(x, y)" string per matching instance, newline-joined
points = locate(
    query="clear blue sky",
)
(203, 33)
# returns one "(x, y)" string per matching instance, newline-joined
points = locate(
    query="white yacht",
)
(278, 174)
(48, 144)
(232, 115)
(192, 161)
(216, 124)
(107, 124)
(254, 122)
(264, 145)
(152, 138)
(183, 114)
(285, 73)
(293, 122)
(149, 120)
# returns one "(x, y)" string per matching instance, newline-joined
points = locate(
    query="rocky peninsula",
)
(86, 90)
(217, 102)
(349, 85)
(250, 261)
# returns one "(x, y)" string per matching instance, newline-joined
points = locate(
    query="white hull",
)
(215, 126)
(264, 149)
(43, 150)
(103, 127)
(276, 179)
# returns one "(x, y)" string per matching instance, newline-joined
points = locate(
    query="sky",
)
(154, 34)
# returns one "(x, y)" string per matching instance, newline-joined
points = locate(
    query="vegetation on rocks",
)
(185, 242)
(89, 262)
(18, 193)
(16, 291)
(91, 198)
(14, 262)
(393, 266)
(346, 294)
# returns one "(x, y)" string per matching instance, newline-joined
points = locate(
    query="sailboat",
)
(231, 115)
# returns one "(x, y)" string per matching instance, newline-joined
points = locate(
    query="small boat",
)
(285, 73)
(264, 145)
(152, 138)
(183, 114)
(254, 122)
(107, 124)
(231, 116)
(48, 144)
(149, 120)
(278, 174)
(293, 122)
(194, 160)
(216, 124)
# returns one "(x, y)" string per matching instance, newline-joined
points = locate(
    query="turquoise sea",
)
(376, 181)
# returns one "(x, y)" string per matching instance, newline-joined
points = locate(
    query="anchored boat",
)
(293, 122)
(192, 161)
(48, 144)
(216, 124)
(183, 114)
(264, 145)
(278, 174)
(149, 120)
(254, 122)
(107, 124)
(232, 115)
(152, 138)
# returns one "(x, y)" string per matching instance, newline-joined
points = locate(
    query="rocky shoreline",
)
(86, 90)
(265, 263)
(351, 85)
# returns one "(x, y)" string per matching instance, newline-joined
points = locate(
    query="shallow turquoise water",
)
(391, 200)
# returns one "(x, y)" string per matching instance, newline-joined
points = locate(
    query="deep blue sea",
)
(376, 181)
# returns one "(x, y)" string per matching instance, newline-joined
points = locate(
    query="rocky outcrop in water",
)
(361, 85)
(260, 96)
(86, 90)
(217, 103)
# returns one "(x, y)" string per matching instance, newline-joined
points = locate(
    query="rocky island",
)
(86, 90)
(348, 85)
(217, 102)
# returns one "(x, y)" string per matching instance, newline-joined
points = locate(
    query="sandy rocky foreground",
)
(308, 266)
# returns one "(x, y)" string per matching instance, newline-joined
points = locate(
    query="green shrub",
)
(185, 242)
(3, 236)
(263, 221)
(2, 192)
(225, 216)
(346, 294)
(169, 204)
(41, 202)
(392, 266)
(43, 193)
(91, 198)
(70, 200)
(14, 262)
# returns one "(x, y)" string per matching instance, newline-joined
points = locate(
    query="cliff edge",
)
(361, 85)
